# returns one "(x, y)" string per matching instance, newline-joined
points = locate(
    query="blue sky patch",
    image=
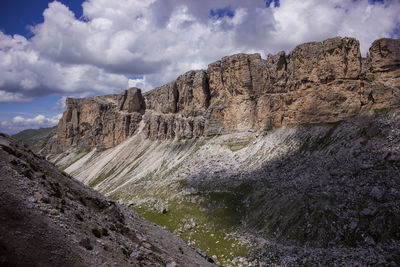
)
(41, 105)
(376, 1)
(222, 12)
(396, 32)
(17, 16)
(270, 2)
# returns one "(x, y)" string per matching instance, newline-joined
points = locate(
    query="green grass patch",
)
(206, 230)
(236, 144)
(382, 111)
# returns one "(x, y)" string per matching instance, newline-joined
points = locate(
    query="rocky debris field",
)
(310, 194)
(47, 218)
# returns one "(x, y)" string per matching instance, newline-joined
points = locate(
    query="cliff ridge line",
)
(316, 82)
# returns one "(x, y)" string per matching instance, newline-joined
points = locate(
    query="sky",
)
(51, 50)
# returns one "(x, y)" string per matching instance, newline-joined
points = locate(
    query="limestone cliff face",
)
(101, 121)
(319, 81)
(383, 62)
(315, 82)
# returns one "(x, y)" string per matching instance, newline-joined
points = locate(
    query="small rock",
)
(366, 166)
(37, 196)
(53, 212)
(135, 254)
(376, 193)
(164, 211)
(146, 245)
(370, 211)
(394, 157)
(394, 192)
(172, 264)
(353, 225)
(370, 241)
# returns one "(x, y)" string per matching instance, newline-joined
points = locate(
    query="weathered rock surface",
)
(316, 82)
(49, 219)
(383, 62)
(101, 121)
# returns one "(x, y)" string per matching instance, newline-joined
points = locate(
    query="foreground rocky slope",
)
(309, 194)
(316, 82)
(49, 219)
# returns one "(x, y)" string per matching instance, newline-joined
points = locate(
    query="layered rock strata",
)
(318, 81)
(101, 121)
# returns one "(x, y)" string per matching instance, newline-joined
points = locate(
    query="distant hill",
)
(35, 138)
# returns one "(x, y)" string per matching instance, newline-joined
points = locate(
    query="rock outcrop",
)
(101, 121)
(316, 82)
(383, 62)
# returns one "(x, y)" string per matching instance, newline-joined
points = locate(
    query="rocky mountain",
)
(291, 160)
(316, 82)
(311, 194)
(49, 219)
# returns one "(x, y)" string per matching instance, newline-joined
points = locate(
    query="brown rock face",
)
(319, 81)
(100, 121)
(131, 101)
(188, 92)
(383, 62)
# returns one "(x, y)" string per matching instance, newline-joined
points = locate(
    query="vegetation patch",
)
(382, 111)
(201, 228)
(236, 144)
(206, 219)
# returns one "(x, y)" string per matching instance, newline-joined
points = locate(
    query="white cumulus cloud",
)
(157, 40)
(19, 123)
